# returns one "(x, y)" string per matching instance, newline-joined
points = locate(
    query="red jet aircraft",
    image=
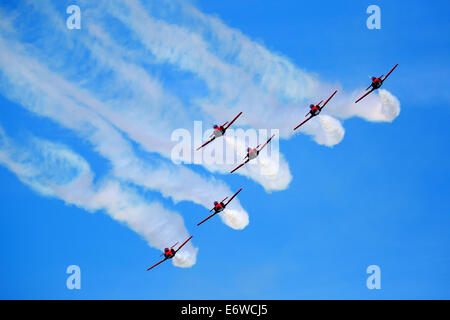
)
(219, 207)
(169, 253)
(315, 110)
(219, 131)
(376, 83)
(252, 154)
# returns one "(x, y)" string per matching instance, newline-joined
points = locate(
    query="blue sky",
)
(379, 197)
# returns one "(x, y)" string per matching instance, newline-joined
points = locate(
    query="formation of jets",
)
(252, 153)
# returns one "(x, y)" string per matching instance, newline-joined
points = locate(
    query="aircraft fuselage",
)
(219, 207)
(169, 253)
(315, 111)
(377, 83)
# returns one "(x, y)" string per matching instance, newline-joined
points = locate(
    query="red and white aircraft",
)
(315, 110)
(219, 207)
(376, 83)
(219, 131)
(252, 154)
(169, 253)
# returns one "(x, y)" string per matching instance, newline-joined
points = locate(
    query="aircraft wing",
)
(156, 264)
(206, 143)
(302, 122)
(266, 142)
(328, 100)
(229, 124)
(233, 197)
(183, 244)
(239, 166)
(389, 72)
(210, 216)
(368, 92)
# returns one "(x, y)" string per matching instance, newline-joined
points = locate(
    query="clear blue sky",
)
(380, 197)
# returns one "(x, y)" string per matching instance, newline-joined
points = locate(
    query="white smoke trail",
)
(390, 106)
(56, 171)
(234, 219)
(334, 132)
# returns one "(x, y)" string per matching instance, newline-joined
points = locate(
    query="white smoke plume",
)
(390, 106)
(233, 218)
